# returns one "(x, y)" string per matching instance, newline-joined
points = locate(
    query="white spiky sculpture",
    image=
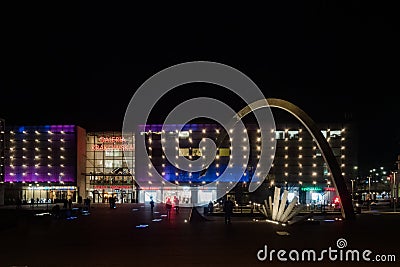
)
(277, 211)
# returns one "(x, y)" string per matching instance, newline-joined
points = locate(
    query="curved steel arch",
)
(338, 179)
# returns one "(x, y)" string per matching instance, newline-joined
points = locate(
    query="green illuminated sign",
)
(311, 188)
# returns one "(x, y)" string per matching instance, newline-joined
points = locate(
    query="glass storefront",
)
(48, 194)
(110, 167)
(187, 196)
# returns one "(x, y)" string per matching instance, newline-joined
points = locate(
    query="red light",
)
(336, 200)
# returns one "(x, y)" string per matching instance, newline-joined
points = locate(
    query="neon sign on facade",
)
(112, 143)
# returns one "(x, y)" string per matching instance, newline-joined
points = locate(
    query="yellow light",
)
(314, 174)
(286, 156)
(300, 147)
(300, 174)
(203, 131)
(286, 147)
(300, 156)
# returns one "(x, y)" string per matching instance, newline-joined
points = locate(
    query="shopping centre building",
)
(54, 162)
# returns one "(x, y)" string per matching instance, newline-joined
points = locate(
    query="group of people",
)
(169, 204)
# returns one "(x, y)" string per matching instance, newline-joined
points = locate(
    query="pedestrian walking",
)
(151, 204)
(228, 209)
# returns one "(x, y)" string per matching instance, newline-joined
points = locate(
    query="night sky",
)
(81, 64)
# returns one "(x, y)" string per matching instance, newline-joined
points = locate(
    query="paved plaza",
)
(131, 235)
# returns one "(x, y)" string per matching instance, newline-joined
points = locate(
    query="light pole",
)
(352, 189)
(395, 191)
(369, 185)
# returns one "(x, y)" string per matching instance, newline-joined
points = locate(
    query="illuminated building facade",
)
(109, 169)
(2, 158)
(298, 163)
(63, 161)
(43, 163)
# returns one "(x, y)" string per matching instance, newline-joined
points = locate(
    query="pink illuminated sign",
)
(112, 143)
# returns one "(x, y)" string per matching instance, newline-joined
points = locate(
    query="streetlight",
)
(394, 191)
(369, 185)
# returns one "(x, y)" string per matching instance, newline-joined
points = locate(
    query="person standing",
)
(176, 203)
(168, 206)
(228, 208)
(151, 204)
(70, 203)
(210, 207)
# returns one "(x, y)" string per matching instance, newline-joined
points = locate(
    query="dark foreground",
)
(109, 237)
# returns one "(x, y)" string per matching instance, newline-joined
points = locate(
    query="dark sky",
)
(81, 64)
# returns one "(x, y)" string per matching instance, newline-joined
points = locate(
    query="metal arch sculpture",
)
(338, 179)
